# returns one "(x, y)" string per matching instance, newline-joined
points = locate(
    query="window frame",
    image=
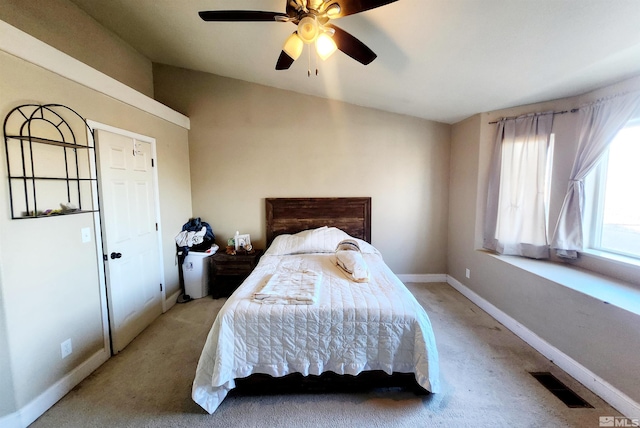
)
(595, 186)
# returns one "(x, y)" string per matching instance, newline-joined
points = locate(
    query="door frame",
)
(104, 298)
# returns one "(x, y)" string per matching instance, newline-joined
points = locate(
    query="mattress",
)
(350, 328)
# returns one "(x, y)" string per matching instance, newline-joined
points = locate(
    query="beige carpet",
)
(484, 372)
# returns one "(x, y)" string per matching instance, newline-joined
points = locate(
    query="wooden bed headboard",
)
(293, 215)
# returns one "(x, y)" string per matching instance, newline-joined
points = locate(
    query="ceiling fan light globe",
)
(314, 4)
(325, 46)
(293, 46)
(308, 29)
(333, 10)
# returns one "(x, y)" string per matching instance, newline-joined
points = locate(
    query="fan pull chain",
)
(309, 63)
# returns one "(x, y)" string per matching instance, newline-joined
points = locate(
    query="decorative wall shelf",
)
(51, 169)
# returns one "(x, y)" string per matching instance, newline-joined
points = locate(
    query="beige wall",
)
(248, 142)
(7, 400)
(63, 25)
(603, 338)
(48, 278)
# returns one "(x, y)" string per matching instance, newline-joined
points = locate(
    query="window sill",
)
(609, 290)
(611, 258)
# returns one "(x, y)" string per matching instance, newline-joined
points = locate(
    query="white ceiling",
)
(442, 60)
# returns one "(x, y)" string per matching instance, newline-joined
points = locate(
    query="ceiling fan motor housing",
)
(308, 28)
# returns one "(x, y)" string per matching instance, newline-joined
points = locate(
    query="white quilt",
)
(353, 327)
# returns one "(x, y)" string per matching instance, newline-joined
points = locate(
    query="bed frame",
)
(293, 215)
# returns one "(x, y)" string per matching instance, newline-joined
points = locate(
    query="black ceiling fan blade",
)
(239, 15)
(349, 7)
(352, 46)
(284, 61)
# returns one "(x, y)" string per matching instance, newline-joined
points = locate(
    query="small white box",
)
(195, 271)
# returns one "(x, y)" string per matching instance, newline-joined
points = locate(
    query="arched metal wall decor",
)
(37, 174)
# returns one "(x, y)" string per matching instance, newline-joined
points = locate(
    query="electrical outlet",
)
(65, 348)
(467, 273)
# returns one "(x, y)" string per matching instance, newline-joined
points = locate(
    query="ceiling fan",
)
(312, 19)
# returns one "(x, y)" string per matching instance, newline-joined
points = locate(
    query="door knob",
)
(115, 255)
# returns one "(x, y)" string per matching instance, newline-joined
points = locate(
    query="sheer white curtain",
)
(516, 216)
(599, 123)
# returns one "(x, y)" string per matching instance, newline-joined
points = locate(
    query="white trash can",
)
(195, 271)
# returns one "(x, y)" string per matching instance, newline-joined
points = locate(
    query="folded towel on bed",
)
(349, 260)
(293, 287)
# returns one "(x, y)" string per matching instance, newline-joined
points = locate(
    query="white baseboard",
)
(617, 399)
(424, 277)
(171, 301)
(36, 408)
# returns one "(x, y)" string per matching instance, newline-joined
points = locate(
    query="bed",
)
(349, 328)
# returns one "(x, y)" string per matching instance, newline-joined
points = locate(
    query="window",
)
(613, 193)
(518, 189)
(525, 179)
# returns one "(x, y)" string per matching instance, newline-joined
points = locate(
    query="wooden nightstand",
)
(227, 272)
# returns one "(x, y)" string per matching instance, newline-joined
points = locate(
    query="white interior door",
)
(130, 234)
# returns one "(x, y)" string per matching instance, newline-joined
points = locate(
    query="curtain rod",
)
(573, 110)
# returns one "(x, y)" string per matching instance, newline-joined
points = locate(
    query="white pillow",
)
(321, 240)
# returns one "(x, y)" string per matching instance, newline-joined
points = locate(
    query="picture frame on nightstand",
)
(242, 241)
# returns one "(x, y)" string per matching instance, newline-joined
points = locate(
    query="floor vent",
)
(560, 390)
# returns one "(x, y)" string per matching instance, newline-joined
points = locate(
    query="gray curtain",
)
(599, 123)
(516, 216)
